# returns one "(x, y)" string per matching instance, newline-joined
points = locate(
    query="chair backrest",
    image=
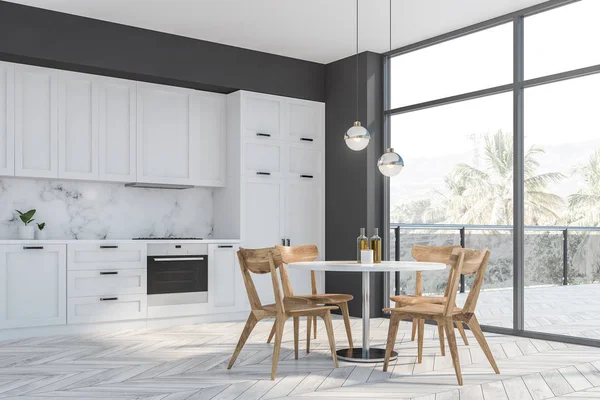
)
(290, 254)
(260, 261)
(439, 254)
(467, 262)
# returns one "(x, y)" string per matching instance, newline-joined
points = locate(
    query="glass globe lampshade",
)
(357, 137)
(390, 163)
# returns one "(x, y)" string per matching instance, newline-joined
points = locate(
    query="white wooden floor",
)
(189, 362)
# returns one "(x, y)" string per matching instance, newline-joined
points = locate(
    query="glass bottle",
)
(362, 243)
(376, 246)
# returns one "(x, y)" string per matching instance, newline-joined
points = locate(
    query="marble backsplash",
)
(92, 210)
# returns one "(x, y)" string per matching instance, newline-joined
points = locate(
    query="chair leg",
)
(346, 314)
(272, 332)
(461, 329)
(441, 335)
(279, 322)
(449, 325)
(308, 332)
(420, 340)
(476, 329)
(250, 324)
(315, 327)
(391, 339)
(415, 322)
(329, 327)
(296, 333)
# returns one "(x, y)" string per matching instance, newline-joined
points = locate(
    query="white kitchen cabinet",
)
(36, 122)
(7, 119)
(262, 116)
(262, 212)
(33, 291)
(167, 134)
(117, 130)
(226, 286)
(106, 282)
(107, 308)
(77, 126)
(106, 256)
(305, 121)
(210, 110)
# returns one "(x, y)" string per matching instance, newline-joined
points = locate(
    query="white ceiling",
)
(317, 30)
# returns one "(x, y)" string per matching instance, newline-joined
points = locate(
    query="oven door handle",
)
(179, 259)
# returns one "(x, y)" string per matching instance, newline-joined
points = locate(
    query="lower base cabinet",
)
(32, 285)
(226, 289)
(106, 308)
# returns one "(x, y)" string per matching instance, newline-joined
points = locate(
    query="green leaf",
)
(26, 217)
(41, 226)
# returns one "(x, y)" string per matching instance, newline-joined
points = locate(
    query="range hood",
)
(146, 185)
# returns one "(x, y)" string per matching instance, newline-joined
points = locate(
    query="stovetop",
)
(168, 238)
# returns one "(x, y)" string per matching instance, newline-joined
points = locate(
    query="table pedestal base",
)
(371, 356)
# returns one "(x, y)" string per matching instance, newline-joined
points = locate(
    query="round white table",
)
(366, 354)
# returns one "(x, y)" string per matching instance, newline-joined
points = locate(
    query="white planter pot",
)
(41, 235)
(26, 232)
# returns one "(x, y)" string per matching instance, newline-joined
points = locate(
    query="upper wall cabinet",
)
(262, 116)
(7, 121)
(36, 122)
(305, 121)
(117, 130)
(77, 126)
(210, 111)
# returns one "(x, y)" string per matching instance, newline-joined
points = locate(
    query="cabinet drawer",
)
(106, 308)
(262, 159)
(106, 282)
(106, 256)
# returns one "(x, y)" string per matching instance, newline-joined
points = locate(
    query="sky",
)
(563, 117)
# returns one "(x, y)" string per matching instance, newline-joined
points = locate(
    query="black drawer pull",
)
(108, 298)
(264, 134)
(263, 173)
(33, 247)
(109, 273)
(306, 176)
(109, 246)
(305, 139)
(226, 247)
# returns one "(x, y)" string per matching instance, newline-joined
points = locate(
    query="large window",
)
(452, 116)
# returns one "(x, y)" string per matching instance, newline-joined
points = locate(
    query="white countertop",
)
(92, 241)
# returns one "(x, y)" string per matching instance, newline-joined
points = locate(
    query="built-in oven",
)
(177, 274)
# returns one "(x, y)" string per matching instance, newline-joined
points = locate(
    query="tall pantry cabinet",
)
(275, 178)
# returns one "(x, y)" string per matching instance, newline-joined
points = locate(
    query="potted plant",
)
(40, 234)
(26, 232)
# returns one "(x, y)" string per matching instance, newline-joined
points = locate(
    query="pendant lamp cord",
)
(357, 60)
(390, 25)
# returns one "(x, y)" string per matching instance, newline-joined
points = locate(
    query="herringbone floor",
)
(189, 362)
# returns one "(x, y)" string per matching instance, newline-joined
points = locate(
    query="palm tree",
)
(485, 196)
(584, 206)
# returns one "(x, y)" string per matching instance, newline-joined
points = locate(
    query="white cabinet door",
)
(106, 256)
(7, 121)
(262, 159)
(164, 130)
(261, 116)
(33, 290)
(110, 281)
(77, 126)
(210, 113)
(107, 308)
(117, 130)
(36, 122)
(305, 162)
(305, 121)
(226, 286)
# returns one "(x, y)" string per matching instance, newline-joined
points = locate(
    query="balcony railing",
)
(555, 255)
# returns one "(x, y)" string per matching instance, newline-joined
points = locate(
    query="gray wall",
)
(354, 186)
(57, 40)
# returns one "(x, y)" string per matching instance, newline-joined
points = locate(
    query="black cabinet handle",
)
(263, 173)
(305, 139)
(109, 247)
(306, 176)
(264, 134)
(108, 298)
(33, 247)
(226, 247)
(287, 242)
(109, 273)
(283, 242)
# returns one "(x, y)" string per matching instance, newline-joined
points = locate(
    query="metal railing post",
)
(462, 244)
(397, 258)
(565, 256)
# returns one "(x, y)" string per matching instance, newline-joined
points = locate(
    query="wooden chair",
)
(439, 254)
(308, 253)
(264, 261)
(463, 261)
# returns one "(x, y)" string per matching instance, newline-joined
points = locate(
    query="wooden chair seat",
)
(408, 300)
(325, 298)
(422, 309)
(292, 307)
